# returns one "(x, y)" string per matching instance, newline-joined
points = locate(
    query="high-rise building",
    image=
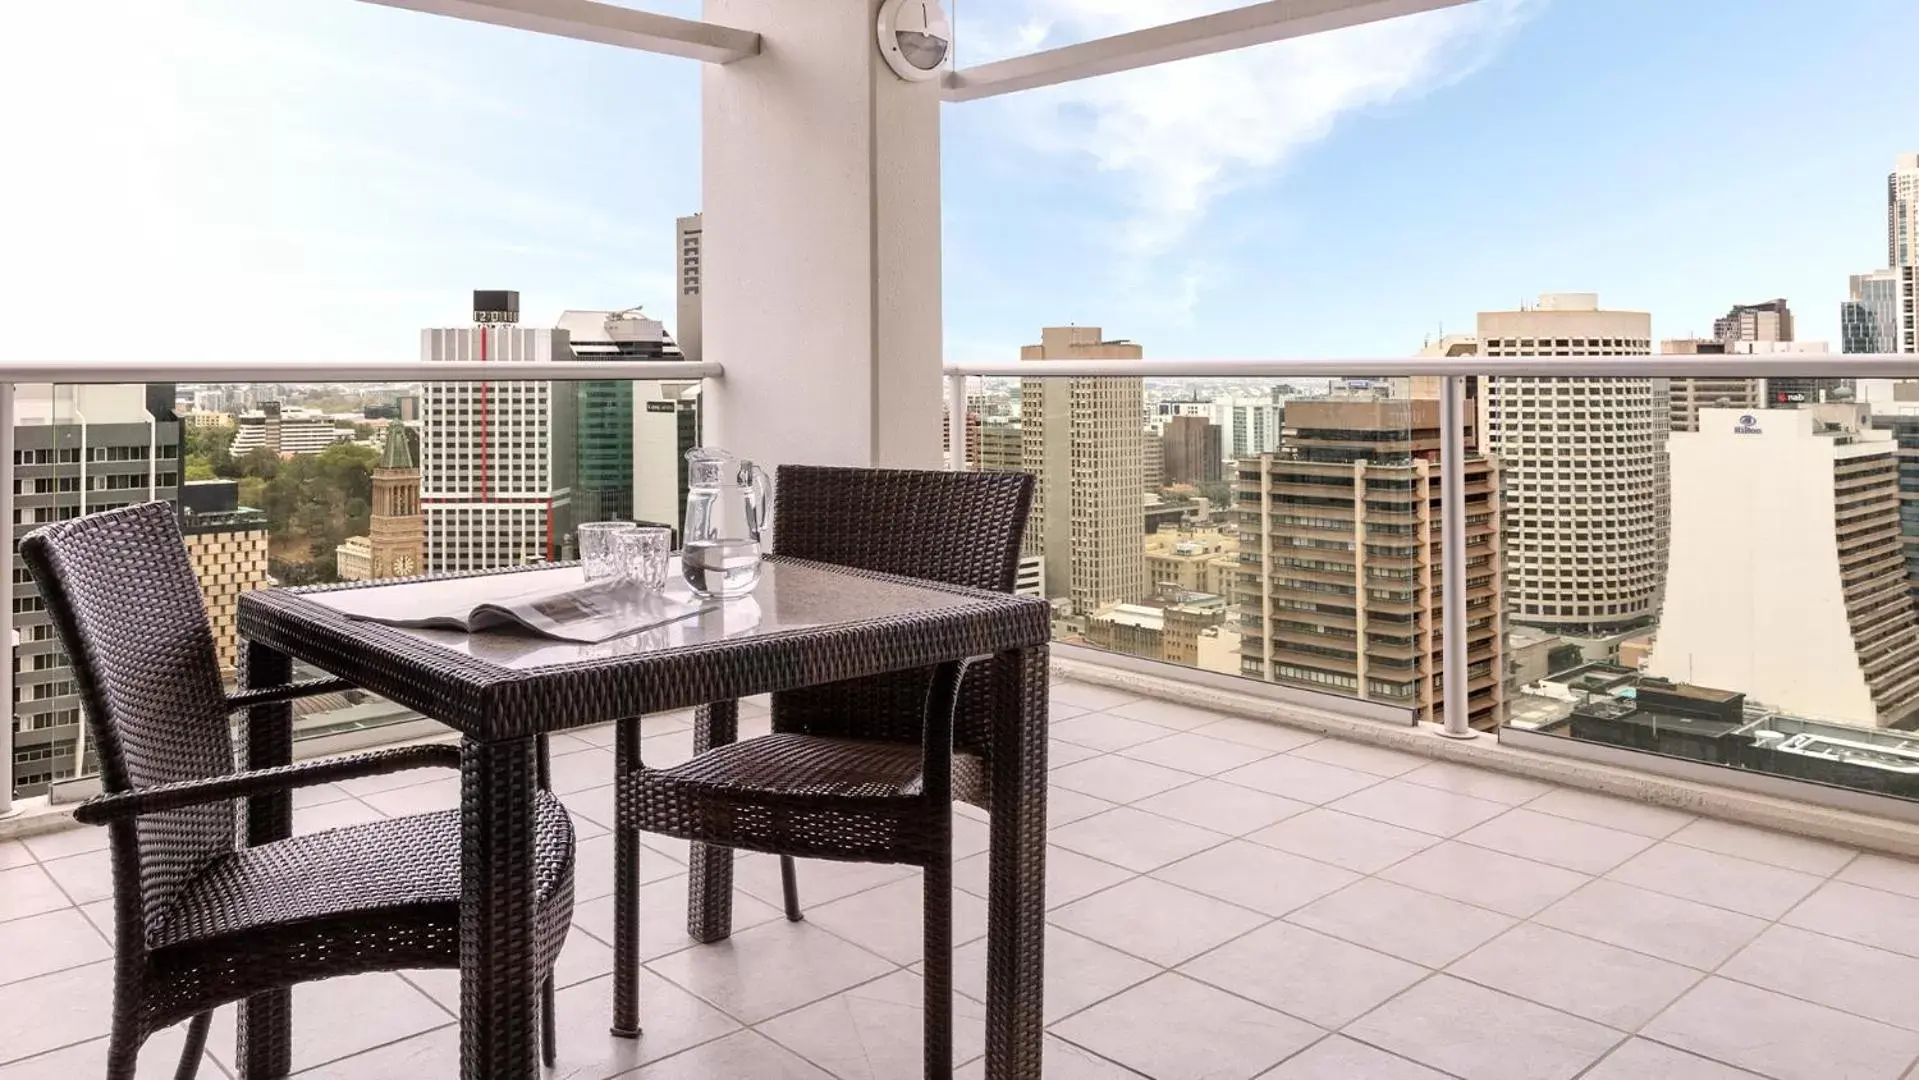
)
(77, 450)
(1790, 518)
(1191, 451)
(1249, 426)
(1770, 320)
(1083, 439)
(666, 424)
(227, 544)
(1902, 247)
(1341, 583)
(603, 489)
(1869, 316)
(1904, 426)
(1152, 471)
(498, 458)
(286, 431)
(999, 446)
(396, 531)
(1689, 395)
(1583, 469)
(687, 234)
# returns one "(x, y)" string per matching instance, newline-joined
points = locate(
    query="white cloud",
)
(1180, 136)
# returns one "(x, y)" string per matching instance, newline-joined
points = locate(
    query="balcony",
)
(1341, 906)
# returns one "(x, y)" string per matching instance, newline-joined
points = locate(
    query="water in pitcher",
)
(722, 567)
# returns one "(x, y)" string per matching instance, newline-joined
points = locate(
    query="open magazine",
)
(565, 609)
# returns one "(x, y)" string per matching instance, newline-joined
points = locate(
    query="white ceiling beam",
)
(1255, 24)
(608, 24)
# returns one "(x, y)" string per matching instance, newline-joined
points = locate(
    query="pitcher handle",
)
(760, 487)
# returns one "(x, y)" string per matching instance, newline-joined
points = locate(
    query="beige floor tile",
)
(1762, 845)
(1474, 1032)
(1355, 843)
(1134, 839)
(1222, 807)
(1613, 986)
(1479, 783)
(343, 1017)
(1340, 1058)
(1195, 754)
(1175, 1028)
(1069, 875)
(1061, 1060)
(1320, 979)
(1079, 972)
(876, 1031)
(1697, 935)
(1720, 880)
(1637, 1059)
(1843, 975)
(1563, 842)
(1300, 779)
(28, 890)
(1424, 809)
(1256, 877)
(1155, 921)
(1119, 779)
(663, 917)
(1490, 879)
(1363, 757)
(888, 920)
(1625, 815)
(1781, 1036)
(770, 969)
(743, 1054)
(52, 941)
(1402, 922)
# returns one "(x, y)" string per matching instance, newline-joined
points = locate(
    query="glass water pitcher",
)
(726, 503)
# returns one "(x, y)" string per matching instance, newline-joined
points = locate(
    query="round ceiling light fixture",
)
(915, 38)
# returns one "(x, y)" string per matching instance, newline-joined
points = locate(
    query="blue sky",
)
(315, 179)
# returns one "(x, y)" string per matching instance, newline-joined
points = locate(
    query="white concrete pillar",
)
(820, 262)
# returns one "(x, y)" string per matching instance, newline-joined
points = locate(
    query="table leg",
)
(499, 978)
(265, 1045)
(709, 879)
(1016, 904)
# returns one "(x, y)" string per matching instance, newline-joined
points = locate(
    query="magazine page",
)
(586, 613)
(445, 603)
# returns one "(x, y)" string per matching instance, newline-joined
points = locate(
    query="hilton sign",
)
(1747, 425)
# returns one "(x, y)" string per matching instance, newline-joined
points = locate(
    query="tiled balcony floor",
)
(1229, 900)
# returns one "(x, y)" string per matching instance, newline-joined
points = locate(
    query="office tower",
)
(1689, 395)
(666, 424)
(999, 446)
(1790, 519)
(1192, 452)
(686, 260)
(1082, 438)
(497, 458)
(604, 445)
(1582, 466)
(1770, 320)
(1249, 426)
(1152, 470)
(227, 544)
(1869, 316)
(77, 450)
(1339, 544)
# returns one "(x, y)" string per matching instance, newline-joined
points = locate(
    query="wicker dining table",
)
(805, 624)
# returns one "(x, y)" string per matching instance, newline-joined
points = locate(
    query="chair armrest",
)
(103, 809)
(243, 699)
(936, 752)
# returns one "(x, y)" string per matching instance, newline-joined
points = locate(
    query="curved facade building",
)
(1583, 464)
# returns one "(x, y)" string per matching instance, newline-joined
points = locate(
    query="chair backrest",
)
(126, 605)
(952, 527)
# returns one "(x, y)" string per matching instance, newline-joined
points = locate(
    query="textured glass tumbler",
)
(643, 554)
(599, 553)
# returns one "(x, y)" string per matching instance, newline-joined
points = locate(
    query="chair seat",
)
(790, 764)
(401, 872)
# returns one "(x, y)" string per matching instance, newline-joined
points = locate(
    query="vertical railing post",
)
(956, 423)
(6, 597)
(1452, 518)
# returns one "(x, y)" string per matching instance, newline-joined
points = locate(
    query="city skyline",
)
(1345, 171)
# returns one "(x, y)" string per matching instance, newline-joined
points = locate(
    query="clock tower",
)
(397, 533)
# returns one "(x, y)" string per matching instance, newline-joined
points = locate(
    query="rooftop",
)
(1274, 904)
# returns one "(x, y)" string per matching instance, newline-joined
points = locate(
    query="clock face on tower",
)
(403, 566)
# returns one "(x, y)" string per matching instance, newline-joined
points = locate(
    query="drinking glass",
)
(643, 553)
(598, 555)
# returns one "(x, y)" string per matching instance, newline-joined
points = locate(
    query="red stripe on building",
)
(483, 404)
(552, 553)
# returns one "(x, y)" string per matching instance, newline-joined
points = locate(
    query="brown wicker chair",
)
(860, 771)
(200, 921)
